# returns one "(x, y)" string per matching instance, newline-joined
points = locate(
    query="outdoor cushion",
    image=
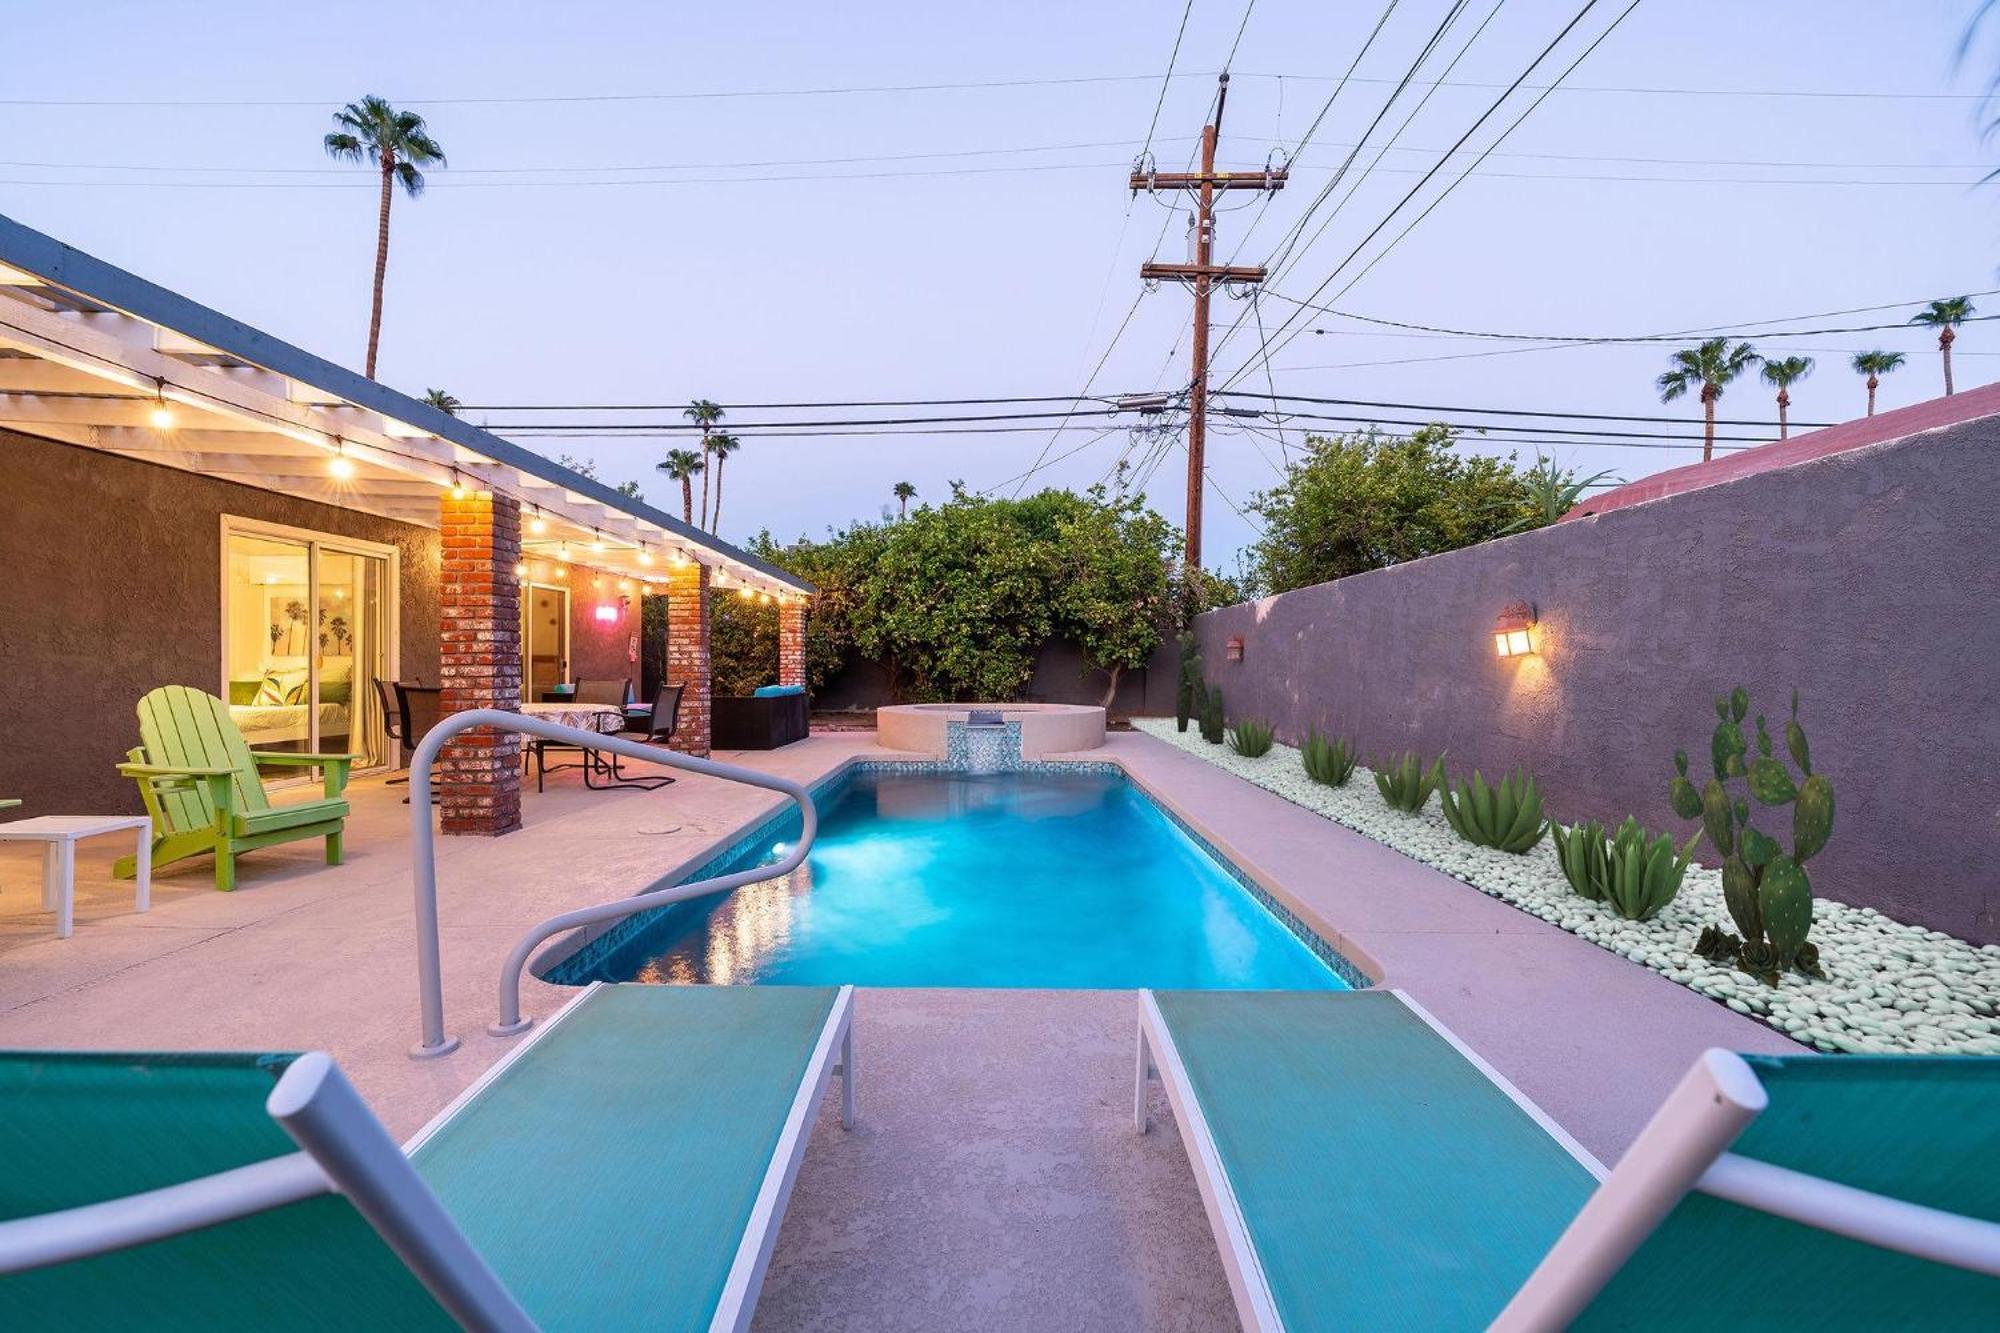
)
(275, 817)
(776, 691)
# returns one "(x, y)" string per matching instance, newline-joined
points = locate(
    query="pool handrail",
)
(423, 858)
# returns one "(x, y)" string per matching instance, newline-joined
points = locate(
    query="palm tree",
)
(1712, 366)
(1945, 317)
(904, 493)
(721, 445)
(442, 401)
(1875, 365)
(1783, 375)
(703, 414)
(398, 143)
(681, 465)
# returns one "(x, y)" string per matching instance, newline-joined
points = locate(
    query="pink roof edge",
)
(1896, 424)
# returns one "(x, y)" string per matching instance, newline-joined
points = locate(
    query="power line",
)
(1497, 411)
(1630, 337)
(851, 90)
(1173, 58)
(1497, 103)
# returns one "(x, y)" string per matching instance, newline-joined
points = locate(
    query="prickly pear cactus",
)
(1812, 817)
(1784, 895)
(1766, 890)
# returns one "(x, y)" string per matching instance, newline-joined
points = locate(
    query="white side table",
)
(60, 834)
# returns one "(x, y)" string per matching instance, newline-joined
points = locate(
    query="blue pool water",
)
(1009, 879)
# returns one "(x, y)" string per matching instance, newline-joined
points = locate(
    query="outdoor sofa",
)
(773, 716)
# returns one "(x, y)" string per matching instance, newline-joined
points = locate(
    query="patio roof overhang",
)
(91, 354)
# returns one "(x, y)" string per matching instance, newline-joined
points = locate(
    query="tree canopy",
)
(958, 599)
(1367, 500)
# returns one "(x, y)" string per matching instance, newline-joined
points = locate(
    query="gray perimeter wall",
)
(1870, 580)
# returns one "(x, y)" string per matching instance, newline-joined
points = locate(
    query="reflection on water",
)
(1012, 879)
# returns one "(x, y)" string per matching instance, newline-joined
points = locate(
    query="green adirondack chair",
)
(199, 780)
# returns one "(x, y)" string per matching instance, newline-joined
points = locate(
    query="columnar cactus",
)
(1189, 688)
(1766, 890)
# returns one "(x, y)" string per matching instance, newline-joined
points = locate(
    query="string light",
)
(340, 465)
(161, 416)
(538, 525)
(645, 556)
(457, 485)
(596, 541)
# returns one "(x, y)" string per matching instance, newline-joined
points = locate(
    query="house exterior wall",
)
(110, 585)
(598, 649)
(1869, 580)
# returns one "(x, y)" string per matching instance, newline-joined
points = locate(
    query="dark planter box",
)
(759, 724)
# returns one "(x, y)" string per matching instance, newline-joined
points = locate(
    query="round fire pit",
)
(1045, 728)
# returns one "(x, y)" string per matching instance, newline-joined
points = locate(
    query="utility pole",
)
(1203, 273)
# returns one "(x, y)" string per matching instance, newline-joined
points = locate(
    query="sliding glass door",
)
(308, 631)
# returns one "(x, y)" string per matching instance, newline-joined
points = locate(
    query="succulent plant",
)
(1190, 687)
(1507, 816)
(1405, 783)
(1643, 872)
(1251, 738)
(1329, 763)
(1211, 714)
(1766, 889)
(1584, 853)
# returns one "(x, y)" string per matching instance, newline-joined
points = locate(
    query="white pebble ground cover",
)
(1889, 987)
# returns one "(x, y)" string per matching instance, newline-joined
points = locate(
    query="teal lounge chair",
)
(626, 1167)
(1363, 1169)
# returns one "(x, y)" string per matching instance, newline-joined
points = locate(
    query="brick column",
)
(792, 641)
(479, 656)
(688, 661)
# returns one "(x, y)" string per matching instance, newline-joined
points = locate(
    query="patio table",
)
(606, 718)
(60, 833)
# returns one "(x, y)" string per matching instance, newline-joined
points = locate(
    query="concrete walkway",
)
(993, 1181)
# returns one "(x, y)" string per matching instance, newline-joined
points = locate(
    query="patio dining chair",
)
(418, 709)
(571, 1187)
(607, 693)
(658, 727)
(1362, 1168)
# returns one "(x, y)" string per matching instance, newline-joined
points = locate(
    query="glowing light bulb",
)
(340, 465)
(745, 594)
(457, 485)
(596, 541)
(161, 417)
(538, 525)
(645, 556)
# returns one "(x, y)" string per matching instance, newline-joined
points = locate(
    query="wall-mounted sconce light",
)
(1233, 648)
(1512, 630)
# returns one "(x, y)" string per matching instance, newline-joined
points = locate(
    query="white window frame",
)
(315, 541)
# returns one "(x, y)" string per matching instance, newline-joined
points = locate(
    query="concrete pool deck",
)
(993, 1181)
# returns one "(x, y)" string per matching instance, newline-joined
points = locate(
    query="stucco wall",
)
(600, 650)
(1869, 580)
(110, 585)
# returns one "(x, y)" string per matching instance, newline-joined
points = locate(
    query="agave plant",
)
(1643, 872)
(1584, 852)
(1507, 816)
(1329, 763)
(1406, 783)
(1251, 738)
(1552, 492)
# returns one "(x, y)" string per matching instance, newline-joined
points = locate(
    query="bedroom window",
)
(308, 629)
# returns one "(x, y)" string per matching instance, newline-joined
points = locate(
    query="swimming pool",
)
(923, 878)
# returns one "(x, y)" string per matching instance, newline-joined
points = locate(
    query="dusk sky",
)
(595, 240)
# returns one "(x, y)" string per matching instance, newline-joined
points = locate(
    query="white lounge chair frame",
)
(345, 1150)
(1683, 1147)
